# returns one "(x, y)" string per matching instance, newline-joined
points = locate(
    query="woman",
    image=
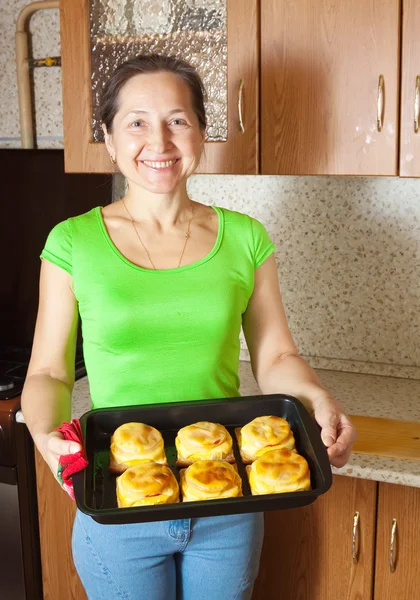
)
(163, 285)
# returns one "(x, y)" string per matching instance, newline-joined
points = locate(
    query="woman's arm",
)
(278, 368)
(46, 396)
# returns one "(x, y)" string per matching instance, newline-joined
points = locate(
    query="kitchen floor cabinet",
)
(170, 29)
(398, 507)
(307, 553)
(56, 515)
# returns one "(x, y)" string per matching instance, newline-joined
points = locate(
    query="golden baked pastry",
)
(262, 435)
(279, 471)
(210, 480)
(147, 483)
(133, 444)
(203, 441)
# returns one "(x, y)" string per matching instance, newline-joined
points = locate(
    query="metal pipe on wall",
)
(22, 69)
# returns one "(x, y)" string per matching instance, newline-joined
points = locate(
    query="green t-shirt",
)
(166, 335)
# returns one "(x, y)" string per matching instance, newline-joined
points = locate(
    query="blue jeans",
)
(213, 558)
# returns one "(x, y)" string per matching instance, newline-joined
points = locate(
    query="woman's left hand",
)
(337, 431)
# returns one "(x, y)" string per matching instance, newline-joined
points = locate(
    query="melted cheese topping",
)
(279, 471)
(148, 483)
(264, 434)
(136, 443)
(203, 440)
(209, 480)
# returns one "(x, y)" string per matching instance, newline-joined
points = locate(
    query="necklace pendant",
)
(187, 235)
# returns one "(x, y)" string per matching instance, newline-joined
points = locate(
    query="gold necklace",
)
(187, 235)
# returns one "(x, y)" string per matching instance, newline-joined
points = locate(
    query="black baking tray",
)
(95, 486)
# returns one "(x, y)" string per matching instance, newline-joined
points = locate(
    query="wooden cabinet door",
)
(401, 503)
(321, 61)
(56, 515)
(307, 552)
(238, 154)
(410, 90)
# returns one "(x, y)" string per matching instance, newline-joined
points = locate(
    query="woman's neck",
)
(161, 210)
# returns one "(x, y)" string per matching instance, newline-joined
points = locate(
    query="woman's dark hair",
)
(152, 63)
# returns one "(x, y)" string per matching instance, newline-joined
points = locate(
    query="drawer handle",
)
(354, 552)
(240, 97)
(392, 546)
(380, 103)
(417, 105)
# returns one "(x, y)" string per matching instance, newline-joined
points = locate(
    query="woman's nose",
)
(159, 140)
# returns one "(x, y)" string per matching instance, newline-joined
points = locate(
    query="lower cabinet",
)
(339, 547)
(56, 514)
(397, 565)
(360, 541)
(309, 552)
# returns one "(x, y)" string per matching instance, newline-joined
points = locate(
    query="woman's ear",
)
(108, 142)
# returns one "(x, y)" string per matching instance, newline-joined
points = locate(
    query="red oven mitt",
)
(71, 463)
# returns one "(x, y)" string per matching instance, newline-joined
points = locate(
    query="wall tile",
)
(348, 259)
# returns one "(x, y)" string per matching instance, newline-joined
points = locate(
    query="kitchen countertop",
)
(360, 394)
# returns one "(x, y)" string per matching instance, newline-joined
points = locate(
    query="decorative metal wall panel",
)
(195, 30)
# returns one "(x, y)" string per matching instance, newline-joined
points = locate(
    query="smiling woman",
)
(163, 285)
(155, 129)
(155, 145)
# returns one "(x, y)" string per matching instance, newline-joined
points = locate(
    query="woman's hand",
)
(337, 431)
(52, 446)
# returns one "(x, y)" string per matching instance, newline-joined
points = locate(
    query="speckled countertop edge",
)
(360, 394)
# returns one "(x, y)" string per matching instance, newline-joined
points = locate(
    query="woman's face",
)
(156, 138)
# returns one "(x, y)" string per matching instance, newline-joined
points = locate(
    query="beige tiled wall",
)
(348, 249)
(348, 253)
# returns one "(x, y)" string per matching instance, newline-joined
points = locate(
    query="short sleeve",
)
(59, 245)
(263, 246)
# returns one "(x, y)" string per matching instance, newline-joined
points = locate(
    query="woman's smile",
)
(161, 166)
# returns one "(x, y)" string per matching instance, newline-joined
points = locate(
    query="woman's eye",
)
(179, 122)
(137, 124)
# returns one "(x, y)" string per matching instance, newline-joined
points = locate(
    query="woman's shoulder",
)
(61, 237)
(65, 227)
(240, 220)
(85, 218)
(233, 215)
(243, 230)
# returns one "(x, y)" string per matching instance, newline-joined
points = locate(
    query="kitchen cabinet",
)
(56, 515)
(329, 70)
(310, 553)
(220, 39)
(410, 90)
(307, 552)
(398, 508)
(340, 87)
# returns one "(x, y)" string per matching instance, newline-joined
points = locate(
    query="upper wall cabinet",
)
(219, 37)
(332, 99)
(330, 86)
(410, 91)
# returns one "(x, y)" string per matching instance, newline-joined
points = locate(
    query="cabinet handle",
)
(354, 537)
(392, 546)
(417, 105)
(380, 103)
(240, 96)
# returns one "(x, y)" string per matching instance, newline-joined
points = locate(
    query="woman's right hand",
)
(52, 446)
